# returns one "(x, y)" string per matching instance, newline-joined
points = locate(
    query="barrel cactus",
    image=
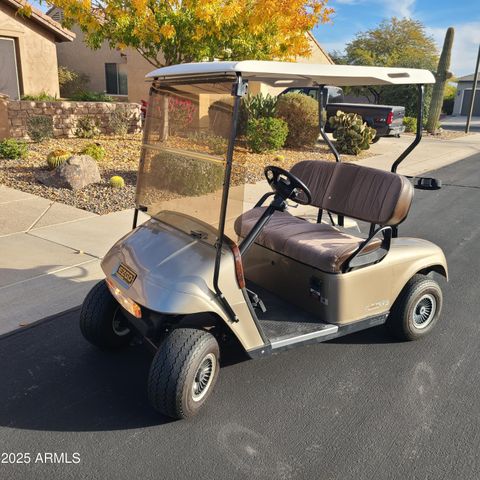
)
(117, 182)
(95, 150)
(57, 157)
(441, 77)
(351, 133)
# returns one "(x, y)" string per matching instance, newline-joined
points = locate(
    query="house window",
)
(9, 82)
(116, 78)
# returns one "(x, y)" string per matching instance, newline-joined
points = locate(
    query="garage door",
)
(467, 96)
(8, 68)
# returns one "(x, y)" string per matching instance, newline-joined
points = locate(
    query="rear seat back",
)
(316, 174)
(362, 193)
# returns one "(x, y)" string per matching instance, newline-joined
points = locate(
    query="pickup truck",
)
(385, 119)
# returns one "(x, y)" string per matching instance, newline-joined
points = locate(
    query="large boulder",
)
(77, 172)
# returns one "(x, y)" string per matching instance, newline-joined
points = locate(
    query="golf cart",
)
(226, 259)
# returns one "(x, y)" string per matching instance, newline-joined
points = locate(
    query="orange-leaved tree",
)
(168, 32)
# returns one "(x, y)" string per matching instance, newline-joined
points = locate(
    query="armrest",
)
(359, 259)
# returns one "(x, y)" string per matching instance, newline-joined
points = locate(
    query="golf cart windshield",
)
(183, 158)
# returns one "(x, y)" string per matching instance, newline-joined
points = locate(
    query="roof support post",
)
(418, 136)
(239, 89)
(321, 100)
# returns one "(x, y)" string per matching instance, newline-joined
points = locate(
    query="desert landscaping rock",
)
(76, 173)
(121, 158)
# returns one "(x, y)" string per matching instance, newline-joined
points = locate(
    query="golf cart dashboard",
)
(192, 226)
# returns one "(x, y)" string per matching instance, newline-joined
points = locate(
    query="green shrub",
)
(266, 134)
(12, 149)
(117, 182)
(95, 150)
(351, 133)
(40, 97)
(255, 107)
(119, 122)
(87, 127)
(185, 175)
(449, 99)
(301, 114)
(216, 144)
(71, 82)
(56, 157)
(260, 105)
(87, 96)
(410, 124)
(40, 127)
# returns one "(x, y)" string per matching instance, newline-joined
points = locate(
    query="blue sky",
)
(352, 16)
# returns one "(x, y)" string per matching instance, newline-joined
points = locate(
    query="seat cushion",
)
(317, 244)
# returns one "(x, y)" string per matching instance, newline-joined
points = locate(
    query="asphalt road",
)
(458, 123)
(361, 407)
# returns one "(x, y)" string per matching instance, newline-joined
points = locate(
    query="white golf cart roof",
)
(287, 74)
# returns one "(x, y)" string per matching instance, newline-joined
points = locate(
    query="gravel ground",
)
(122, 156)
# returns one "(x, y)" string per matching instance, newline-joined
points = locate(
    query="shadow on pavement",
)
(375, 335)
(53, 380)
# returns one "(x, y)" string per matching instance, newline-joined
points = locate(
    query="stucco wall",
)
(77, 56)
(36, 51)
(65, 116)
(137, 68)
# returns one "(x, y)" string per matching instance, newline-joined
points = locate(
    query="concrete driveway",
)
(363, 407)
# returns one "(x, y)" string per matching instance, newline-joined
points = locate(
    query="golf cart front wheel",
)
(101, 320)
(183, 372)
(416, 310)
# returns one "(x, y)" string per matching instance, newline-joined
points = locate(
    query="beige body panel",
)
(175, 277)
(245, 329)
(347, 297)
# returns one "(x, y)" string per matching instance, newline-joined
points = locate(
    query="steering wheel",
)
(287, 185)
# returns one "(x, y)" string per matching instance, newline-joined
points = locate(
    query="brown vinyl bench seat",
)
(317, 244)
(367, 194)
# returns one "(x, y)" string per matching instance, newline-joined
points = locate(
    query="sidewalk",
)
(50, 253)
(430, 154)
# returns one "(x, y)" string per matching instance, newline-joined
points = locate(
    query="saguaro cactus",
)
(441, 77)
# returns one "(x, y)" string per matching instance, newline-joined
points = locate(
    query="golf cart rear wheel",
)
(417, 308)
(183, 372)
(101, 320)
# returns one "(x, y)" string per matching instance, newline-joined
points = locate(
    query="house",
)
(28, 55)
(121, 73)
(464, 96)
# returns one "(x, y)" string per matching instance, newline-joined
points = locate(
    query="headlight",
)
(127, 303)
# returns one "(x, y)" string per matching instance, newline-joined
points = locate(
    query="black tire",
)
(101, 319)
(376, 139)
(175, 368)
(417, 308)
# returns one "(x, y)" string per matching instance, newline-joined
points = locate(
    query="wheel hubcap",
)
(204, 377)
(118, 324)
(424, 311)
